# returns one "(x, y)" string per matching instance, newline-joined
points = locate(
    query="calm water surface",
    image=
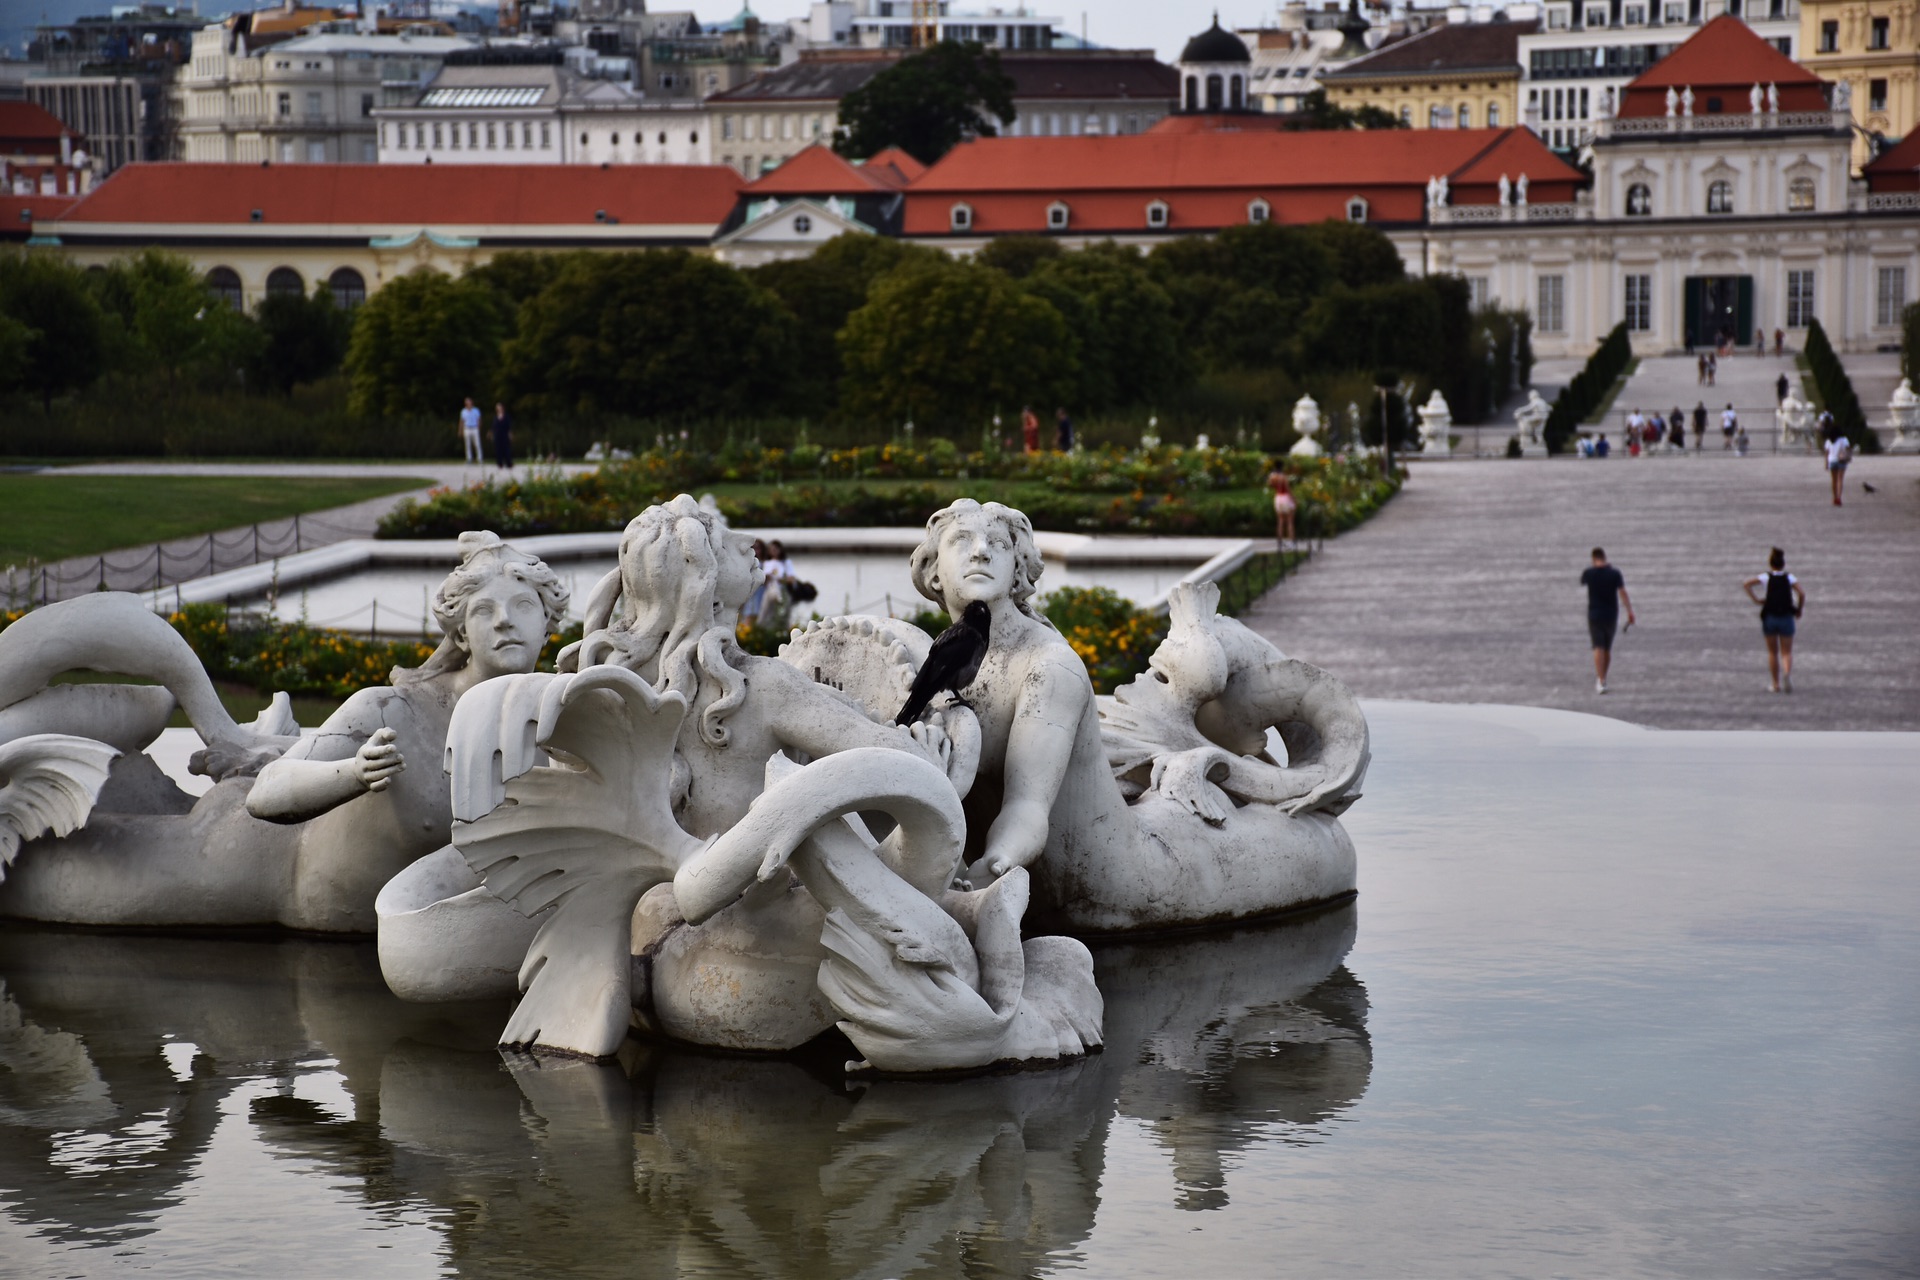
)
(1610, 1003)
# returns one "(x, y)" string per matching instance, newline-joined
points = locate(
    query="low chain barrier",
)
(168, 563)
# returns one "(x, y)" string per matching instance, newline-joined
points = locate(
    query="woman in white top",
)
(1780, 603)
(1839, 454)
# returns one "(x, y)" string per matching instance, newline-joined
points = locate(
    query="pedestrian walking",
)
(1780, 387)
(1062, 431)
(1713, 367)
(1839, 454)
(1729, 423)
(470, 432)
(1677, 431)
(755, 601)
(777, 579)
(502, 437)
(1781, 601)
(1779, 342)
(1701, 362)
(1699, 425)
(1285, 505)
(1606, 593)
(1029, 428)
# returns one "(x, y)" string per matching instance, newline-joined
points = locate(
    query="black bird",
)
(1869, 488)
(953, 661)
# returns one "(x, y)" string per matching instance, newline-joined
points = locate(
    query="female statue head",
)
(495, 610)
(683, 577)
(978, 550)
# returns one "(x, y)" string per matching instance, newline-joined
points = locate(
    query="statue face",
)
(506, 627)
(976, 560)
(738, 571)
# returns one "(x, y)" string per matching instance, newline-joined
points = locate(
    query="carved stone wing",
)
(48, 783)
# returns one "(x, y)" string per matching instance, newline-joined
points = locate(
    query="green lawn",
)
(51, 516)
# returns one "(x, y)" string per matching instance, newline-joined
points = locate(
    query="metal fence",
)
(168, 563)
(1763, 434)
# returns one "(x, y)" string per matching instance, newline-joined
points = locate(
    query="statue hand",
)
(933, 742)
(377, 760)
(1184, 777)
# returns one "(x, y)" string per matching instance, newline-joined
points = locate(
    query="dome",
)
(1215, 45)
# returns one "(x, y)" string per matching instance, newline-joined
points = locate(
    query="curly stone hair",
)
(483, 557)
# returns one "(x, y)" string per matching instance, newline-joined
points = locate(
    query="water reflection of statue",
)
(310, 841)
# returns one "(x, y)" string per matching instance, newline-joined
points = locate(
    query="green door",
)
(1718, 307)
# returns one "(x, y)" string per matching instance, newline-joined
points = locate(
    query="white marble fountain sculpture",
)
(797, 860)
(300, 832)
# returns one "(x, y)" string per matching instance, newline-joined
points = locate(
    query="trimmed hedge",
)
(1836, 391)
(1910, 342)
(1588, 390)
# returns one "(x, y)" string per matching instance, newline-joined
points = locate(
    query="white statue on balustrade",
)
(300, 832)
(1793, 418)
(1436, 424)
(1531, 419)
(1903, 415)
(1306, 425)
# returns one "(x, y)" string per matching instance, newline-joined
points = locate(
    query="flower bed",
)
(1163, 490)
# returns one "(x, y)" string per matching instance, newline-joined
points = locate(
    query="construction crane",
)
(925, 32)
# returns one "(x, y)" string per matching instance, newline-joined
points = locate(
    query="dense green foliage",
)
(1910, 342)
(1316, 112)
(927, 104)
(1588, 390)
(1835, 389)
(1214, 336)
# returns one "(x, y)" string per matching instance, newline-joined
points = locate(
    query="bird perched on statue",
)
(953, 661)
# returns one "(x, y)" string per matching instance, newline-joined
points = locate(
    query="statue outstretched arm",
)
(1053, 699)
(353, 753)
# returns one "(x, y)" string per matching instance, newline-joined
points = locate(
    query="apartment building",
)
(1872, 47)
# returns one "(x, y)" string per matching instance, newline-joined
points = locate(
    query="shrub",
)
(1588, 389)
(1836, 391)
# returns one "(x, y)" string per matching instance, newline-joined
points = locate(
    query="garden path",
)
(1465, 588)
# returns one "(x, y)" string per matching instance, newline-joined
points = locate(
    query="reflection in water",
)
(119, 1057)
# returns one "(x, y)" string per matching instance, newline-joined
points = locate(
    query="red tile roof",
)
(1208, 179)
(30, 122)
(411, 196)
(38, 209)
(895, 167)
(1223, 122)
(1897, 168)
(1724, 59)
(819, 171)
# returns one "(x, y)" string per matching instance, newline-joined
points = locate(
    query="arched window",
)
(1800, 195)
(1639, 201)
(1356, 210)
(1193, 93)
(224, 284)
(1493, 115)
(1057, 216)
(960, 218)
(349, 288)
(1157, 214)
(1238, 94)
(1464, 120)
(285, 281)
(1216, 93)
(1259, 211)
(1720, 197)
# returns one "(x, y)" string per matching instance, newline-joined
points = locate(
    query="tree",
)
(1360, 255)
(424, 342)
(655, 333)
(171, 324)
(1239, 296)
(305, 338)
(66, 346)
(927, 104)
(947, 344)
(822, 290)
(1018, 256)
(1317, 113)
(1129, 348)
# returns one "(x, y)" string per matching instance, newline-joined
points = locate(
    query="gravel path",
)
(1465, 589)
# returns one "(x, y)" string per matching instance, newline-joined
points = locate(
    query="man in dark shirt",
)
(1606, 593)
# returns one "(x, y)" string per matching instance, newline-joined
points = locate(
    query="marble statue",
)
(297, 831)
(1686, 101)
(1673, 102)
(1436, 424)
(1794, 420)
(1306, 425)
(1842, 96)
(1903, 415)
(1506, 190)
(1531, 419)
(1773, 98)
(1756, 98)
(1520, 190)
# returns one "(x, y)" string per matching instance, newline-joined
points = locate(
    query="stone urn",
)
(1306, 423)
(1903, 415)
(1436, 425)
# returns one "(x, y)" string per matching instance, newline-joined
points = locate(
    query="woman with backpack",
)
(1780, 602)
